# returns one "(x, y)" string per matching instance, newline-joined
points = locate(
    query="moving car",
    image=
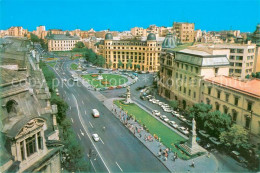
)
(95, 137)
(95, 113)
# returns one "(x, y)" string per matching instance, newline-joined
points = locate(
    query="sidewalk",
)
(202, 163)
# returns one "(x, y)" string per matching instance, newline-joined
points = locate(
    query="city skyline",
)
(103, 15)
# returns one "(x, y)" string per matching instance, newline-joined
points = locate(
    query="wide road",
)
(118, 150)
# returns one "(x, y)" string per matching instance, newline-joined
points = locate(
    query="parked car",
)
(236, 156)
(173, 124)
(160, 103)
(95, 137)
(177, 115)
(157, 101)
(119, 86)
(166, 120)
(111, 88)
(155, 112)
(183, 130)
(182, 118)
(163, 117)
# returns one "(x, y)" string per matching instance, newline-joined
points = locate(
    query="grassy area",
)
(74, 66)
(108, 80)
(73, 55)
(52, 64)
(168, 137)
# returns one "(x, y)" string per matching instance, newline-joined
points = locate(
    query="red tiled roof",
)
(249, 87)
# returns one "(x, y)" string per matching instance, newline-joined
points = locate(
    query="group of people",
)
(164, 153)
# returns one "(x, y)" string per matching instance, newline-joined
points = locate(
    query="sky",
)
(120, 15)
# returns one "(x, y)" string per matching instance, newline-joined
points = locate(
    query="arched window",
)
(11, 106)
(217, 106)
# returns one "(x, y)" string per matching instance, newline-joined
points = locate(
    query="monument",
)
(79, 67)
(192, 147)
(128, 96)
(100, 77)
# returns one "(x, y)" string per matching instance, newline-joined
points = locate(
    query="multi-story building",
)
(256, 40)
(41, 32)
(242, 58)
(132, 54)
(28, 120)
(237, 98)
(137, 31)
(61, 42)
(200, 74)
(17, 31)
(184, 31)
(181, 72)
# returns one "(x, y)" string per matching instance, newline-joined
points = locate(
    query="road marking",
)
(70, 107)
(82, 123)
(72, 120)
(119, 167)
(79, 136)
(68, 98)
(102, 141)
(93, 166)
(81, 132)
(85, 112)
(82, 102)
(90, 124)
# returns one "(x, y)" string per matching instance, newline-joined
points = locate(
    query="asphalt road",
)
(118, 150)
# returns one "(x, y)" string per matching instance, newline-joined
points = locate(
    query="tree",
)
(129, 64)
(253, 75)
(199, 111)
(248, 76)
(258, 75)
(110, 64)
(100, 61)
(174, 104)
(217, 122)
(120, 64)
(34, 38)
(236, 136)
(138, 66)
(79, 45)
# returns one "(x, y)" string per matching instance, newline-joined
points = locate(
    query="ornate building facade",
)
(28, 120)
(143, 54)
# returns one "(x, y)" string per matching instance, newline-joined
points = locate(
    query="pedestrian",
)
(193, 164)
(160, 150)
(159, 154)
(165, 158)
(208, 155)
(173, 158)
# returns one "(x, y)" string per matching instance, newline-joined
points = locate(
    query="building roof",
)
(169, 41)
(151, 37)
(109, 36)
(62, 37)
(203, 58)
(249, 87)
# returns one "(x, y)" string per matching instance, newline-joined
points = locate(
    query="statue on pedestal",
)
(128, 96)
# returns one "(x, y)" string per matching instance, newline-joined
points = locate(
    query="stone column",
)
(43, 140)
(36, 142)
(24, 148)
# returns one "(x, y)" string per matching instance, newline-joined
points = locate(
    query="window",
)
(209, 90)
(234, 116)
(184, 90)
(227, 97)
(189, 92)
(30, 145)
(247, 124)
(236, 101)
(249, 106)
(225, 109)
(217, 106)
(40, 141)
(22, 150)
(194, 94)
(216, 70)
(219, 93)
(197, 69)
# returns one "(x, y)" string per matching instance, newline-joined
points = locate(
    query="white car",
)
(154, 101)
(183, 118)
(167, 110)
(173, 124)
(183, 130)
(95, 137)
(166, 120)
(151, 100)
(157, 101)
(177, 115)
(64, 80)
(160, 103)
(163, 117)
(157, 113)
